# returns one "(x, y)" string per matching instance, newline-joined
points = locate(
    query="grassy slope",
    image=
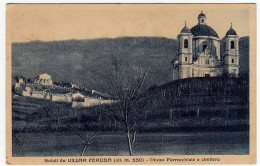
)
(222, 102)
(218, 100)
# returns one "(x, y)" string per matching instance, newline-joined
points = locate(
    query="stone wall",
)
(91, 102)
(61, 98)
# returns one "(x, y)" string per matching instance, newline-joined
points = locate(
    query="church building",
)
(200, 55)
(44, 79)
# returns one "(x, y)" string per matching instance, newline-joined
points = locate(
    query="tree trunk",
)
(84, 149)
(226, 120)
(198, 112)
(20, 149)
(170, 114)
(129, 143)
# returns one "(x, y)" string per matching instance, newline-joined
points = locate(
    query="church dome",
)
(203, 30)
(231, 31)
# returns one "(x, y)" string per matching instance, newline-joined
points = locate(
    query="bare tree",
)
(57, 115)
(131, 96)
(88, 140)
(19, 142)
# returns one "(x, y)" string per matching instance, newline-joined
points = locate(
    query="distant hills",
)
(89, 62)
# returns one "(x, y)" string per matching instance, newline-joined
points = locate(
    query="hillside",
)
(206, 104)
(89, 62)
(215, 97)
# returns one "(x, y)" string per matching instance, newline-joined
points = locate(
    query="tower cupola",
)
(231, 31)
(202, 18)
(185, 29)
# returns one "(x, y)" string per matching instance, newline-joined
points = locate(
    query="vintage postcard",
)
(131, 84)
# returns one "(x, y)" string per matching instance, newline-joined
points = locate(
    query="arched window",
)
(186, 44)
(204, 47)
(232, 45)
(207, 62)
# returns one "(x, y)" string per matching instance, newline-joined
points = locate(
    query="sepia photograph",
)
(100, 83)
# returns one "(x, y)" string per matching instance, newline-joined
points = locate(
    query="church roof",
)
(185, 30)
(203, 30)
(231, 31)
(44, 75)
(201, 15)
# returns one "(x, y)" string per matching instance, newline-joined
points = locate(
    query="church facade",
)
(199, 53)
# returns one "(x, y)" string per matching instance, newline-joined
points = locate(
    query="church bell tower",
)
(185, 53)
(231, 55)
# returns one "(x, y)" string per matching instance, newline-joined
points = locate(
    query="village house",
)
(20, 83)
(75, 86)
(27, 92)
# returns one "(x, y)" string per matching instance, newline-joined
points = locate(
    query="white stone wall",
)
(39, 95)
(91, 102)
(61, 98)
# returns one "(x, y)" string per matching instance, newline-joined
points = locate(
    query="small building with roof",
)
(20, 82)
(199, 52)
(44, 79)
